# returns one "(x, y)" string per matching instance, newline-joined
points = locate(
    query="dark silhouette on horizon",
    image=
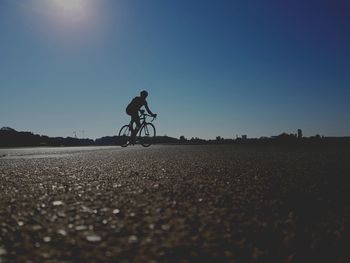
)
(143, 134)
(133, 109)
(12, 138)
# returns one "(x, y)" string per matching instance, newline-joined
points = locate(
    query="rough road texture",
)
(177, 204)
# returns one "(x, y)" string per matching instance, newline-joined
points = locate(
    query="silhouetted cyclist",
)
(133, 110)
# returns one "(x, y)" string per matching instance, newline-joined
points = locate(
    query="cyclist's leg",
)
(135, 119)
(130, 113)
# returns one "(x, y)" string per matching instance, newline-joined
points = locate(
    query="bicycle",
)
(145, 134)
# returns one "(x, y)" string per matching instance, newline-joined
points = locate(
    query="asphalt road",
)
(233, 203)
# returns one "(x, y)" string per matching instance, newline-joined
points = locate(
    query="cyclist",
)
(133, 110)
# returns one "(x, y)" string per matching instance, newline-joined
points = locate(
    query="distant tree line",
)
(12, 138)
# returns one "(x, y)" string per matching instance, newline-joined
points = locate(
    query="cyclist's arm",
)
(148, 110)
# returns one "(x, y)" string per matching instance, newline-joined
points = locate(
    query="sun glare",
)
(73, 5)
(76, 10)
(71, 20)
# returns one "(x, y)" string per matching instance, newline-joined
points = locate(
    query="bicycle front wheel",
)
(147, 135)
(124, 136)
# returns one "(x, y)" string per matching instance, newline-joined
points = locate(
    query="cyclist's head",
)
(144, 94)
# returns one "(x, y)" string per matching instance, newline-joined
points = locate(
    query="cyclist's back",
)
(135, 105)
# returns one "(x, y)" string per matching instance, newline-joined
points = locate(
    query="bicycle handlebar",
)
(143, 114)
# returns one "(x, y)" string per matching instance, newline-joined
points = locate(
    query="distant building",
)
(182, 138)
(244, 137)
(300, 134)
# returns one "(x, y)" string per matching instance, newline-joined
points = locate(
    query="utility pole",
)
(75, 134)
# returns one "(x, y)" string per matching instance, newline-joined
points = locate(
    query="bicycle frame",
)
(144, 133)
(143, 117)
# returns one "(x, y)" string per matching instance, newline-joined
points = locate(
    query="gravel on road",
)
(214, 203)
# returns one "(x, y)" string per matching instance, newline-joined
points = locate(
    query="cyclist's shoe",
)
(132, 140)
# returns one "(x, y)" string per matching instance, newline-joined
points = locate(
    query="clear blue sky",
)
(211, 67)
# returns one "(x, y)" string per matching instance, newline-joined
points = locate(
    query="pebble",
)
(80, 228)
(37, 227)
(57, 203)
(165, 227)
(61, 214)
(133, 239)
(62, 232)
(47, 239)
(2, 251)
(93, 238)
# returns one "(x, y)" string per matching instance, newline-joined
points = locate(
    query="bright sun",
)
(71, 9)
(69, 5)
(66, 16)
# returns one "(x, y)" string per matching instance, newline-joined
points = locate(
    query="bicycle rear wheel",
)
(147, 135)
(124, 136)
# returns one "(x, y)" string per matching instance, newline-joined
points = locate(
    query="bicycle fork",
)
(146, 130)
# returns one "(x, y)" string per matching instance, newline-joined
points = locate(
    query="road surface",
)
(224, 203)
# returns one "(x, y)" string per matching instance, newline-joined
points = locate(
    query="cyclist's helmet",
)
(144, 94)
